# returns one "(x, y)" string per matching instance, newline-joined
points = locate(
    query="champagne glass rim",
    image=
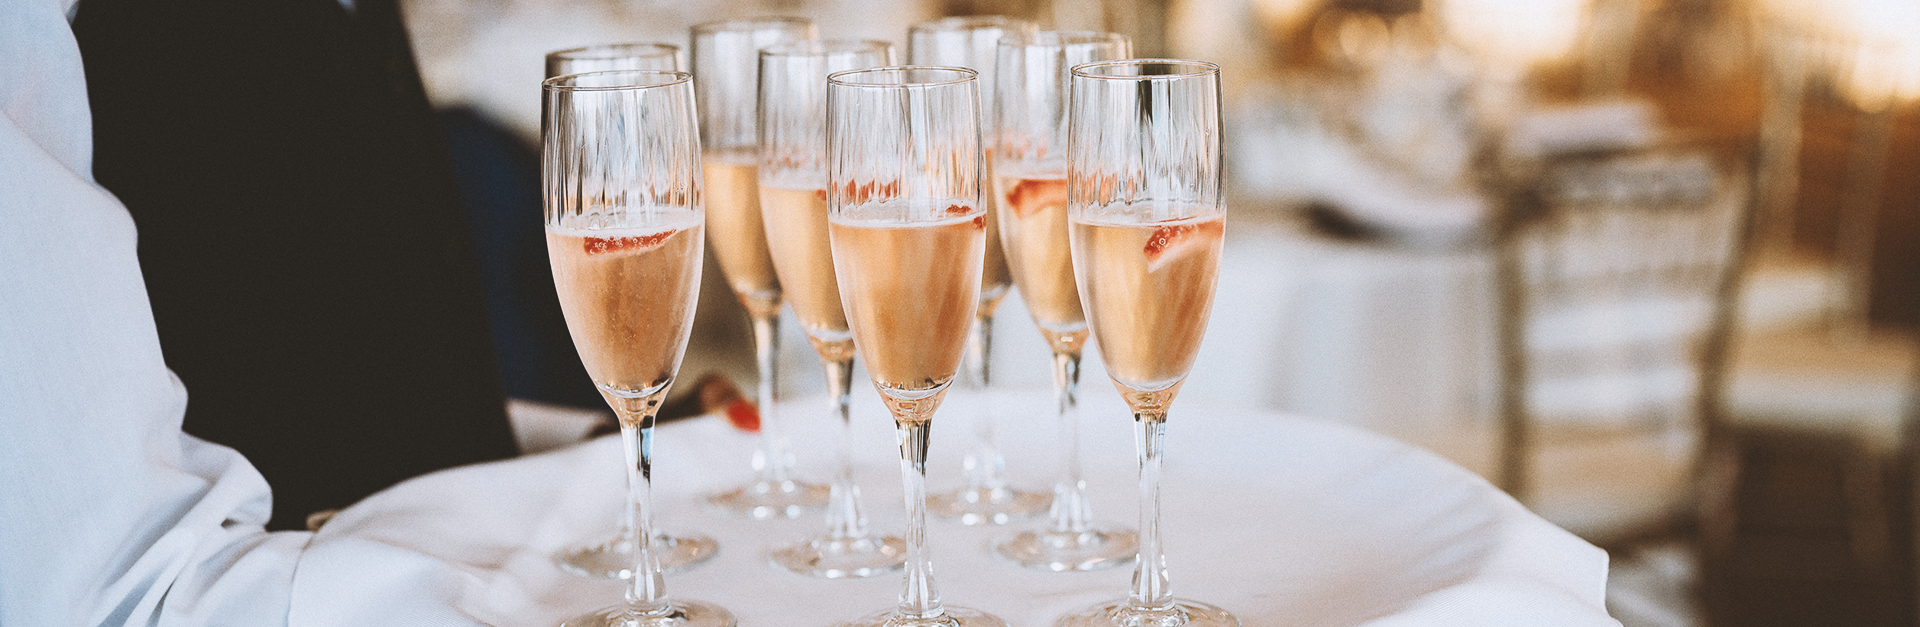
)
(1099, 70)
(617, 80)
(1061, 38)
(615, 51)
(957, 75)
(750, 23)
(969, 22)
(821, 47)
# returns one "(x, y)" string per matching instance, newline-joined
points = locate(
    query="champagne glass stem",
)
(773, 461)
(986, 467)
(626, 513)
(1150, 590)
(1070, 512)
(920, 600)
(844, 518)
(647, 589)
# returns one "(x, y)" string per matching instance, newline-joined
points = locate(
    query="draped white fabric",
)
(1281, 520)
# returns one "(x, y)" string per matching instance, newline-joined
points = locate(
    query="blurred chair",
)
(1616, 271)
(1620, 258)
(1819, 527)
(1822, 364)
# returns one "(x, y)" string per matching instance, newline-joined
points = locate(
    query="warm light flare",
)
(1886, 67)
(1282, 15)
(1885, 74)
(1881, 62)
(1514, 33)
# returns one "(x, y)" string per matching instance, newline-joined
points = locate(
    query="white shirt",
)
(109, 514)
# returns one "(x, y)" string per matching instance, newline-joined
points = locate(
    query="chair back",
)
(1617, 273)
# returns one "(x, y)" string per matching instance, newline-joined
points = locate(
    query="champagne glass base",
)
(1122, 614)
(762, 500)
(952, 617)
(613, 559)
(1061, 551)
(684, 614)
(828, 557)
(988, 506)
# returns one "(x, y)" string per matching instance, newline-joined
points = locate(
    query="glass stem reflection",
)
(1070, 512)
(1150, 592)
(626, 514)
(773, 461)
(646, 589)
(920, 601)
(844, 518)
(986, 468)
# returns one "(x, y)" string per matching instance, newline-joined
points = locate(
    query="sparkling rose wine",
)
(796, 224)
(1148, 288)
(1033, 225)
(628, 295)
(910, 292)
(995, 278)
(739, 239)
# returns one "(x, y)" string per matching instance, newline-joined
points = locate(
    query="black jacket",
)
(310, 267)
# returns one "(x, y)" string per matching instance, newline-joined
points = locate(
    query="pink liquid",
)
(628, 295)
(996, 277)
(1148, 289)
(796, 221)
(910, 292)
(739, 238)
(1033, 223)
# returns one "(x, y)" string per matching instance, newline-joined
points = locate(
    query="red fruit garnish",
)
(717, 394)
(1029, 196)
(869, 191)
(1171, 242)
(743, 415)
(979, 221)
(600, 245)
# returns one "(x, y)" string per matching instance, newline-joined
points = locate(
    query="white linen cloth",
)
(1280, 520)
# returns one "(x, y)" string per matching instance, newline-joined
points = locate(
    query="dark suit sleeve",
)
(311, 270)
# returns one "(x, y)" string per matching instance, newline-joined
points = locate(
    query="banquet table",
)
(1282, 520)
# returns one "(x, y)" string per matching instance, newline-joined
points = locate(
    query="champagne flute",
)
(1030, 187)
(908, 227)
(986, 498)
(726, 60)
(793, 199)
(623, 221)
(613, 557)
(608, 57)
(1147, 220)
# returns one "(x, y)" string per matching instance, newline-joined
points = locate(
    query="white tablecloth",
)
(1281, 520)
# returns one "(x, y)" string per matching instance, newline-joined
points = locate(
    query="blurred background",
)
(1649, 265)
